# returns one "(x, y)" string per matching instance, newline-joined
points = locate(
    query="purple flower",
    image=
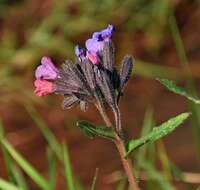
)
(105, 34)
(80, 53)
(46, 70)
(93, 45)
(96, 43)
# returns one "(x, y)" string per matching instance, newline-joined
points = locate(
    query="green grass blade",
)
(157, 132)
(51, 169)
(154, 175)
(122, 184)
(4, 185)
(49, 136)
(93, 187)
(164, 159)
(147, 126)
(14, 173)
(30, 170)
(150, 70)
(6, 156)
(68, 169)
(190, 83)
(177, 40)
(20, 180)
(78, 185)
(170, 85)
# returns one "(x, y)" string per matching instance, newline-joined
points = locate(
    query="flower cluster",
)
(93, 78)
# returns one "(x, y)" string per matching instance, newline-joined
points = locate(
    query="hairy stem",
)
(127, 164)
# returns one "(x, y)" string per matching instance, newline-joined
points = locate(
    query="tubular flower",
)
(43, 87)
(96, 44)
(46, 70)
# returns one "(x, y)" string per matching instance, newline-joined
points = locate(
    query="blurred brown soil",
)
(87, 154)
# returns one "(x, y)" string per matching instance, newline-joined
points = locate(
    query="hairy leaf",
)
(92, 130)
(178, 90)
(69, 101)
(108, 56)
(126, 70)
(157, 132)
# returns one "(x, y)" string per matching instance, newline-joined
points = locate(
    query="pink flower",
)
(93, 57)
(43, 87)
(46, 70)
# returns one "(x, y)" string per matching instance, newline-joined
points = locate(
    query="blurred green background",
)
(162, 35)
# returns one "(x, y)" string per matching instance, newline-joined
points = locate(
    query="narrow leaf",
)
(51, 168)
(7, 158)
(147, 127)
(5, 185)
(108, 56)
(122, 184)
(68, 169)
(92, 130)
(170, 85)
(157, 132)
(19, 177)
(49, 136)
(126, 70)
(93, 187)
(30, 170)
(155, 175)
(14, 173)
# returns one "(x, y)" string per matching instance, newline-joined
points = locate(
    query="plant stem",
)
(126, 162)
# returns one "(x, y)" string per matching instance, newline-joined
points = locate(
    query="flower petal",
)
(94, 45)
(46, 70)
(93, 57)
(105, 34)
(43, 87)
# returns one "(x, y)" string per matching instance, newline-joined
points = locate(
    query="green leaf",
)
(30, 170)
(68, 169)
(147, 127)
(19, 177)
(155, 175)
(7, 158)
(49, 136)
(92, 130)
(157, 132)
(170, 85)
(5, 185)
(51, 168)
(122, 184)
(14, 173)
(93, 187)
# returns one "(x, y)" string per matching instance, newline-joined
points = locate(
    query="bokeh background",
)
(162, 35)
